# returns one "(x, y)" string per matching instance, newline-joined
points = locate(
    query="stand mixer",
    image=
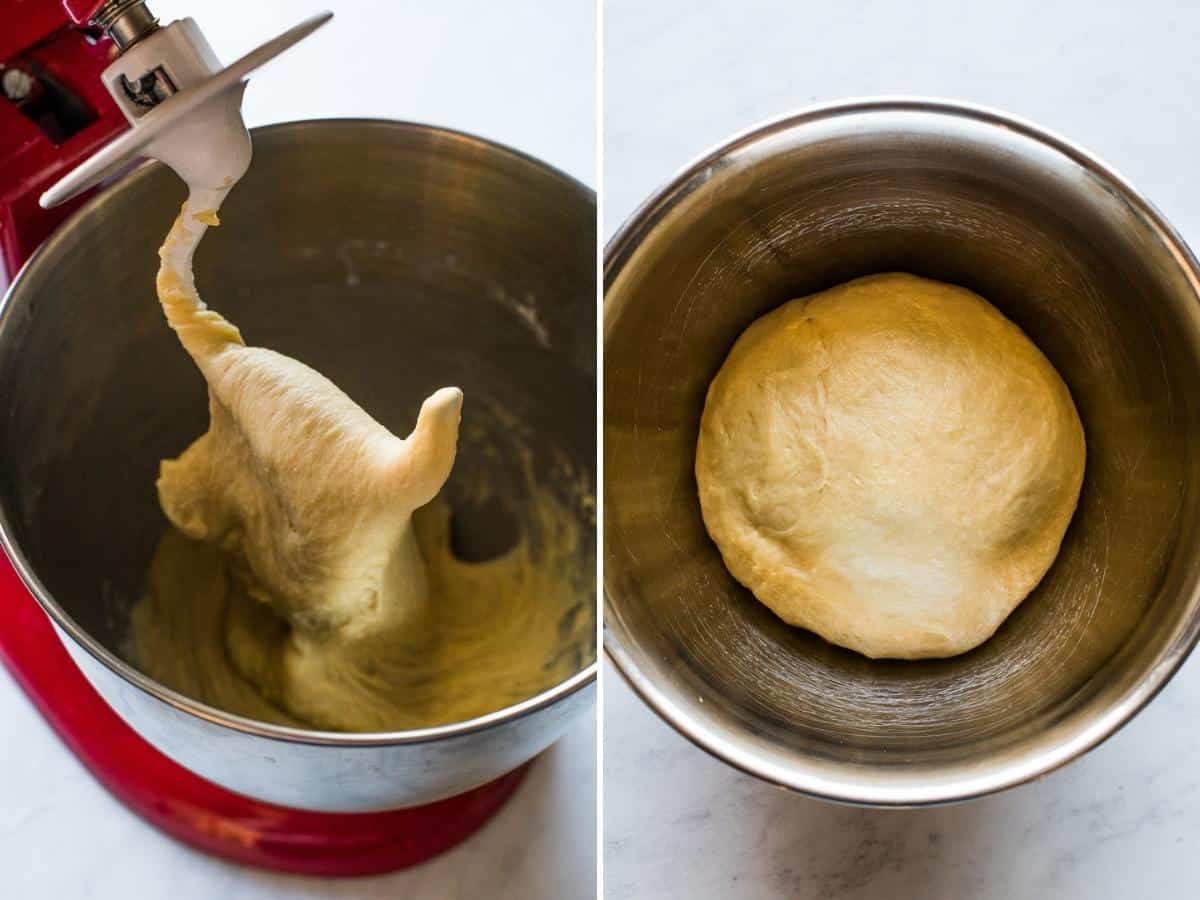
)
(165, 96)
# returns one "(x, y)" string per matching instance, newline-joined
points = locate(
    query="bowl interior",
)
(394, 259)
(1093, 281)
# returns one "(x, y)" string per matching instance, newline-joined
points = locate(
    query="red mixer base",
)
(198, 812)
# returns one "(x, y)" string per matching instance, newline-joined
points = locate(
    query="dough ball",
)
(891, 464)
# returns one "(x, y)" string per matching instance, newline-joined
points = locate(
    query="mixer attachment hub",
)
(151, 89)
(125, 21)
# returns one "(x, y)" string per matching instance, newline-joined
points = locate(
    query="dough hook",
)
(183, 108)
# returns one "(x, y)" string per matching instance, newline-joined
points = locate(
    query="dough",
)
(293, 587)
(891, 464)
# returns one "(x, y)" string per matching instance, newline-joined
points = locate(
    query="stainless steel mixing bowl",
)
(1062, 246)
(394, 258)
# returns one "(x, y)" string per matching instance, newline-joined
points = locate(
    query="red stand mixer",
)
(64, 127)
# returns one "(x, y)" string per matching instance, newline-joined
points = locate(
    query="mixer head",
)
(182, 107)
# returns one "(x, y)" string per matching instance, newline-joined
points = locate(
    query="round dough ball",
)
(891, 464)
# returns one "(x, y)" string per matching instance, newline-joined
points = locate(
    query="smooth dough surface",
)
(891, 464)
(294, 586)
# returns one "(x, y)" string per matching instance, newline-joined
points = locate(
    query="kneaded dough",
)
(891, 464)
(292, 588)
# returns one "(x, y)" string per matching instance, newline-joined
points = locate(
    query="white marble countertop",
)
(521, 73)
(683, 75)
(1121, 822)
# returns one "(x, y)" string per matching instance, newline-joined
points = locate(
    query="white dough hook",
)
(183, 108)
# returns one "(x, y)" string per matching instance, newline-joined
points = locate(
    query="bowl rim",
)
(64, 622)
(999, 775)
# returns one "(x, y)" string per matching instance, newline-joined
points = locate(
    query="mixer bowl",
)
(395, 259)
(1067, 250)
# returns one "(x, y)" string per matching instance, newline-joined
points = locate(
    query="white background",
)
(1118, 78)
(522, 73)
